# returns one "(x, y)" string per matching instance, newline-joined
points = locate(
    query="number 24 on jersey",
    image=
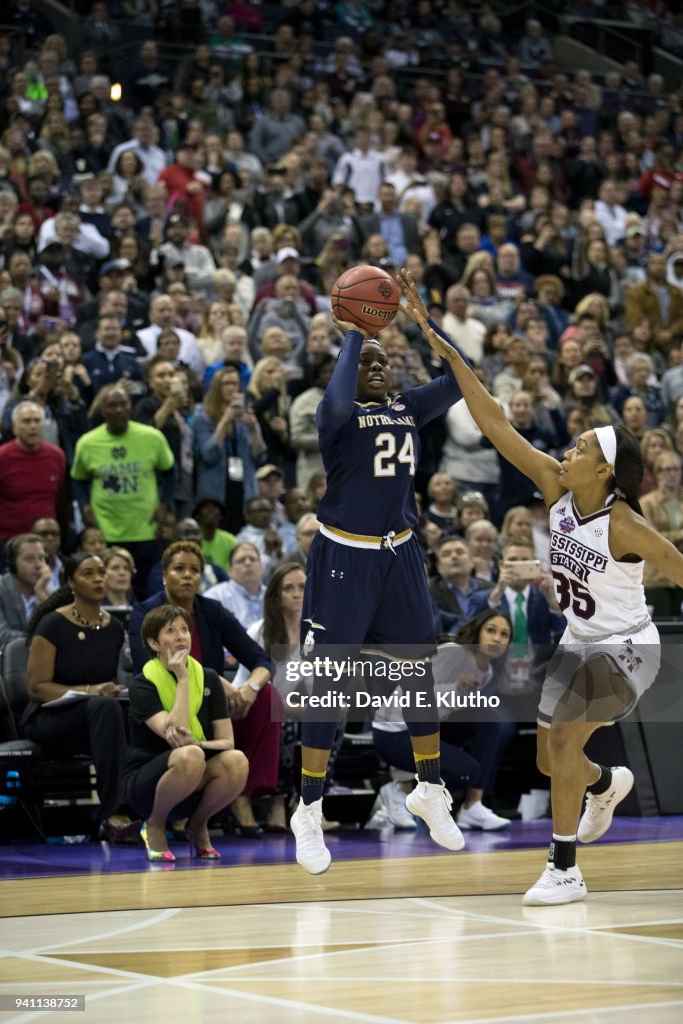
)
(387, 456)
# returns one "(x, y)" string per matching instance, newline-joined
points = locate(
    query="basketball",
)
(366, 296)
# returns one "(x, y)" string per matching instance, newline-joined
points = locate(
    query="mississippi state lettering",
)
(567, 553)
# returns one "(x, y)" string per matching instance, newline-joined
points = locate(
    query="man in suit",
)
(25, 585)
(107, 364)
(659, 302)
(456, 592)
(531, 606)
(399, 230)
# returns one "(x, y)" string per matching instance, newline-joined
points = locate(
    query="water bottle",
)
(9, 797)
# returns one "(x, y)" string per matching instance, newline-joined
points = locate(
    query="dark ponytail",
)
(628, 469)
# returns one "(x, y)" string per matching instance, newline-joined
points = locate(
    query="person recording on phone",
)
(329, 219)
(107, 364)
(228, 447)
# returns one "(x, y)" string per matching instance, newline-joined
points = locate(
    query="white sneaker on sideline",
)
(597, 817)
(306, 824)
(432, 802)
(555, 887)
(394, 802)
(478, 816)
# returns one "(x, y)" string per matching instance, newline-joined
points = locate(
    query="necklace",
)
(84, 622)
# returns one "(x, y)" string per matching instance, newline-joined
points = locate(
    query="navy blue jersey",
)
(370, 449)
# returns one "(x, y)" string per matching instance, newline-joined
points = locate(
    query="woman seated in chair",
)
(75, 647)
(182, 760)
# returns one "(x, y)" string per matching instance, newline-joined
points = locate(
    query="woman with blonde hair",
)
(484, 303)
(267, 397)
(663, 509)
(276, 344)
(215, 318)
(654, 443)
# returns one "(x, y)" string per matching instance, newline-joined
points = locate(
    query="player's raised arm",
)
(337, 402)
(488, 415)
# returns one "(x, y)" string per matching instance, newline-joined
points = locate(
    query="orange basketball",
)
(366, 296)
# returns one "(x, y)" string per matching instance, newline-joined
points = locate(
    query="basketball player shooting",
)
(365, 583)
(609, 653)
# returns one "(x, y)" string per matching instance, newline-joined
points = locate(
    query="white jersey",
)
(599, 596)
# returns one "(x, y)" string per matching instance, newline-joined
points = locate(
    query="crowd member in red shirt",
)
(32, 474)
(182, 184)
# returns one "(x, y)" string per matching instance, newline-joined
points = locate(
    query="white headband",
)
(607, 439)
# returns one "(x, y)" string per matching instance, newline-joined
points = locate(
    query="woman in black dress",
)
(71, 681)
(182, 759)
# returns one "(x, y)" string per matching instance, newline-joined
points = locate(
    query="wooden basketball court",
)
(440, 938)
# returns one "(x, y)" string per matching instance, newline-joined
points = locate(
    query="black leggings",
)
(93, 726)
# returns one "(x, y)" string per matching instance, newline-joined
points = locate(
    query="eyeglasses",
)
(669, 469)
(47, 533)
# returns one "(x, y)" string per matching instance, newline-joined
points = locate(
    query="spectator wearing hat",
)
(216, 544)
(287, 260)
(583, 394)
(197, 261)
(270, 480)
(260, 533)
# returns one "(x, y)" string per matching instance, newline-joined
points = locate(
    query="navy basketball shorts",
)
(372, 603)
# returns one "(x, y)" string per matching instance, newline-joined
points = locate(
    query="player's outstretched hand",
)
(413, 306)
(437, 344)
(345, 325)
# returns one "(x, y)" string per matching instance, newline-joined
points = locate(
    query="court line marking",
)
(290, 1004)
(544, 927)
(393, 978)
(555, 1014)
(24, 1017)
(163, 915)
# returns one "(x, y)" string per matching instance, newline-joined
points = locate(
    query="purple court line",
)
(55, 860)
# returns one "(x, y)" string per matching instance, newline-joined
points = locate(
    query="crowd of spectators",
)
(171, 228)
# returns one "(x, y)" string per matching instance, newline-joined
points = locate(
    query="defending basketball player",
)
(609, 653)
(365, 580)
